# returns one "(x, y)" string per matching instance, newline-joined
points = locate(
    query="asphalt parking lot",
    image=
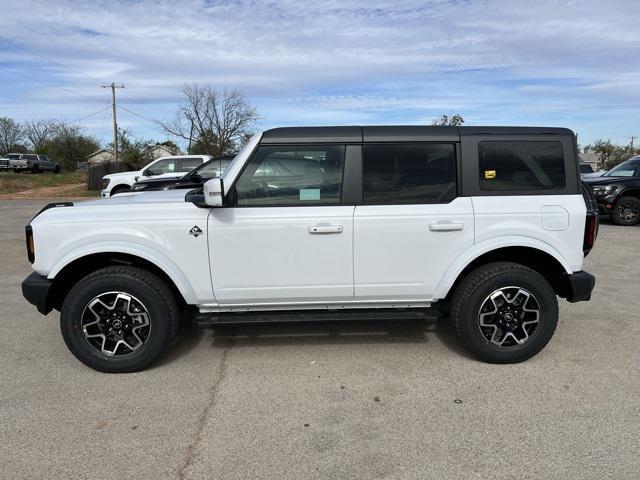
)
(364, 400)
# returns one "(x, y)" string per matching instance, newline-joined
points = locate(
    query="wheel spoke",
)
(509, 316)
(116, 324)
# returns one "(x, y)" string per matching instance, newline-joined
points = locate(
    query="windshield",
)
(625, 169)
(212, 168)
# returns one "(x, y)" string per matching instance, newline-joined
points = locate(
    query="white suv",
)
(329, 222)
(174, 167)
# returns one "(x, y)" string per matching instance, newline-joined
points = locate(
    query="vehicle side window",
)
(292, 175)
(30, 157)
(524, 165)
(163, 166)
(409, 173)
(189, 164)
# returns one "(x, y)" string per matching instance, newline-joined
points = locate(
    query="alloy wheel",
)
(116, 324)
(509, 316)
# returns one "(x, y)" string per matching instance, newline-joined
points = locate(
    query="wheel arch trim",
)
(166, 265)
(456, 268)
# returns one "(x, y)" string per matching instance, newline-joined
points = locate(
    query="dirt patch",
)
(68, 190)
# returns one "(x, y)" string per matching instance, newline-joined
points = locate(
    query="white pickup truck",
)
(326, 223)
(163, 167)
(31, 162)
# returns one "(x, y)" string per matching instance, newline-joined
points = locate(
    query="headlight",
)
(604, 189)
(105, 183)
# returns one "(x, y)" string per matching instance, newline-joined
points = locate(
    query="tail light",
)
(591, 223)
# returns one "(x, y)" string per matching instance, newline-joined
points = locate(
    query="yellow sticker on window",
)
(489, 174)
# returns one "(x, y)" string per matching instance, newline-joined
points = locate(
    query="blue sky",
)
(555, 63)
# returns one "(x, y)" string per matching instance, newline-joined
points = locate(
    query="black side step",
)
(211, 320)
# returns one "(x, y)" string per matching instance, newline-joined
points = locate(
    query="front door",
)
(411, 225)
(285, 236)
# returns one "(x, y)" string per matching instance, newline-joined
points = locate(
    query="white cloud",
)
(334, 61)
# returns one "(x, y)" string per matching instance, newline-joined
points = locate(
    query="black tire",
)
(626, 211)
(35, 169)
(474, 291)
(152, 292)
(56, 169)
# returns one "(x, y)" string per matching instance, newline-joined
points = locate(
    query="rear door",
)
(285, 237)
(411, 225)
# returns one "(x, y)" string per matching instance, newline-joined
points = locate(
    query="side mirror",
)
(213, 192)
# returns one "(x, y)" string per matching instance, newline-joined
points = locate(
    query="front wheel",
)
(35, 169)
(504, 312)
(56, 169)
(119, 319)
(627, 211)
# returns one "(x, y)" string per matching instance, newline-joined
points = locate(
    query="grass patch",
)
(19, 182)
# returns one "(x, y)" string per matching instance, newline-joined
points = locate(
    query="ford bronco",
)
(318, 223)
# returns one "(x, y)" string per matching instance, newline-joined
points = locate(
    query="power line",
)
(46, 83)
(137, 121)
(127, 91)
(90, 115)
(33, 52)
(149, 119)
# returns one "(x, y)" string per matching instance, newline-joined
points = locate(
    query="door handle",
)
(445, 226)
(315, 229)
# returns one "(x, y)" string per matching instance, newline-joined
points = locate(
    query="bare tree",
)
(11, 134)
(217, 122)
(38, 132)
(446, 121)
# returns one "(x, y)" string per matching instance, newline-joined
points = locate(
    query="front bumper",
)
(36, 289)
(579, 286)
(105, 193)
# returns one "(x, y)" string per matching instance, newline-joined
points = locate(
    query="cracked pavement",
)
(316, 401)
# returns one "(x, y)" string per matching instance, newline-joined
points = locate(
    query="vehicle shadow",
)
(188, 338)
(336, 333)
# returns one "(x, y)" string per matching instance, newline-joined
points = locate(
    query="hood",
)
(159, 180)
(593, 181)
(122, 174)
(136, 198)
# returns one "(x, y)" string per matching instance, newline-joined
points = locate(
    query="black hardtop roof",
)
(400, 133)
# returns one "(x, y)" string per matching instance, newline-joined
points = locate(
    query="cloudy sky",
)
(554, 63)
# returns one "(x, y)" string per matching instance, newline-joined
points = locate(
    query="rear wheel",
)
(627, 211)
(119, 319)
(56, 169)
(35, 169)
(504, 312)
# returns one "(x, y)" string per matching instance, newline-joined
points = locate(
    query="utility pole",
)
(632, 138)
(113, 87)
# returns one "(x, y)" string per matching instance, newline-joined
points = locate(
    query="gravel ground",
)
(348, 400)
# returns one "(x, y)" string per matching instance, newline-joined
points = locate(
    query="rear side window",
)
(409, 173)
(513, 166)
(189, 164)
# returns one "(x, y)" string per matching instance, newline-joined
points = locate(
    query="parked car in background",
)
(29, 162)
(618, 192)
(6, 161)
(193, 179)
(329, 223)
(599, 173)
(163, 167)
